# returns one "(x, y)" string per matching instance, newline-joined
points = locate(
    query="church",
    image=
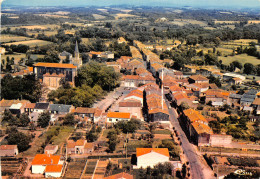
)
(50, 74)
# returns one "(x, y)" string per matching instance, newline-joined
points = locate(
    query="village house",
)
(217, 97)
(76, 147)
(248, 97)
(65, 56)
(60, 108)
(197, 88)
(29, 108)
(198, 79)
(8, 150)
(234, 99)
(228, 76)
(121, 40)
(131, 106)
(51, 149)
(220, 140)
(180, 97)
(43, 161)
(196, 126)
(122, 175)
(235, 81)
(135, 52)
(92, 113)
(136, 95)
(256, 105)
(95, 55)
(149, 157)
(18, 108)
(41, 107)
(113, 117)
(136, 80)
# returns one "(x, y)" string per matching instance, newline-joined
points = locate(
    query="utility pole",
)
(162, 89)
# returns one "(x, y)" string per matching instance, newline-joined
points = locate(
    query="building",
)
(2, 50)
(220, 140)
(41, 161)
(8, 150)
(122, 175)
(235, 81)
(68, 70)
(131, 106)
(151, 156)
(198, 79)
(51, 149)
(53, 81)
(228, 76)
(76, 60)
(92, 113)
(60, 108)
(121, 40)
(53, 171)
(248, 97)
(41, 107)
(136, 80)
(76, 147)
(113, 117)
(65, 56)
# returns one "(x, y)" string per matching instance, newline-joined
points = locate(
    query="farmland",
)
(31, 43)
(75, 168)
(243, 58)
(6, 38)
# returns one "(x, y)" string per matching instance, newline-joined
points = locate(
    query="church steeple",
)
(76, 52)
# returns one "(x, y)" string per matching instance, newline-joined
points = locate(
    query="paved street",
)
(199, 168)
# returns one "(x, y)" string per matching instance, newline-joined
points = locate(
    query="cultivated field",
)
(75, 168)
(243, 58)
(31, 43)
(53, 16)
(5, 38)
(182, 22)
(98, 17)
(117, 16)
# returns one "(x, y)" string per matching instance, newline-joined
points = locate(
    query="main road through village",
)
(198, 167)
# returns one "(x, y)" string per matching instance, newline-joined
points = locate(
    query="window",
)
(110, 120)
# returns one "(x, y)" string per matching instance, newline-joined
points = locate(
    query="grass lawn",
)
(243, 58)
(31, 43)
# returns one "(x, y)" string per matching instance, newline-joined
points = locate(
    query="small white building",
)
(51, 149)
(113, 117)
(8, 150)
(151, 156)
(53, 171)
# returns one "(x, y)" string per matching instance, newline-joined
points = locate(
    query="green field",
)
(243, 58)
(31, 43)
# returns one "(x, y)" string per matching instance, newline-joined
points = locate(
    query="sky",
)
(174, 3)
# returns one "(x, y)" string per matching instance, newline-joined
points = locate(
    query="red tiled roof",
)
(44, 159)
(199, 78)
(53, 168)
(30, 105)
(119, 115)
(143, 151)
(55, 65)
(84, 110)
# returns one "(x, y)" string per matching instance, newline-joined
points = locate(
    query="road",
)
(198, 167)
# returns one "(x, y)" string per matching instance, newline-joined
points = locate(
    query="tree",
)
(69, 119)
(112, 146)
(20, 139)
(211, 59)
(24, 119)
(44, 119)
(249, 68)
(184, 170)
(8, 118)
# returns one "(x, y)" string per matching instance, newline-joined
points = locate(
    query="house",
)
(18, 108)
(135, 95)
(60, 108)
(151, 156)
(41, 107)
(91, 113)
(51, 149)
(8, 150)
(235, 81)
(234, 98)
(132, 106)
(76, 147)
(220, 140)
(89, 148)
(29, 108)
(228, 76)
(196, 126)
(136, 80)
(41, 161)
(248, 97)
(198, 79)
(113, 117)
(122, 175)
(53, 171)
